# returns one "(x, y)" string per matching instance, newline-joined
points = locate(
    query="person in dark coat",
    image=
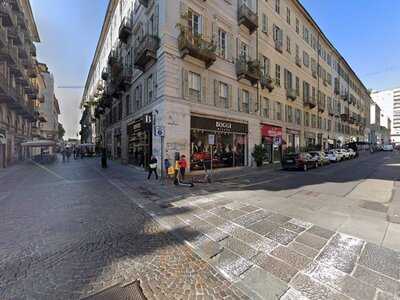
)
(153, 167)
(104, 158)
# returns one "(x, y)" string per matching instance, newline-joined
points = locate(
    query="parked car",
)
(387, 147)
(344, 153)
(333, 156)
(320, 157)
(352, 153)
(302, 161)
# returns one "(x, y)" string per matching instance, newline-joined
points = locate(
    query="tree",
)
(61, 131)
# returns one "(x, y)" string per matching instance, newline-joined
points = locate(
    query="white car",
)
(344, 153)
(388, 147)
(333, 156)
(353, 154)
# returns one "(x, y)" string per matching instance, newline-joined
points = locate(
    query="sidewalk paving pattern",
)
(201, 243)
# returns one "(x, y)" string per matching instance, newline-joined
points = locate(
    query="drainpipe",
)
(318, 51)
(257, 56)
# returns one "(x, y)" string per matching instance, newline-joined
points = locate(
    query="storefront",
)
(223, 142)
(140, 141)
(293, 140)
(271, 139)
(309, 138)
(117, 143)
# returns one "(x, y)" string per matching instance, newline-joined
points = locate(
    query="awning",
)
(271, 131)
(38, 143)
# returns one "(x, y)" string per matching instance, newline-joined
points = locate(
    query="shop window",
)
(194, 85)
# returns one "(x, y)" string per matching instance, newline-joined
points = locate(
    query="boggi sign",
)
(217, 125)
(224, 126)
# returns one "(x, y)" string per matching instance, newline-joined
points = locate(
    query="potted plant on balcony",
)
(259, 155)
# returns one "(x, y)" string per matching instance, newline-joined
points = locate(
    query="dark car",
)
(303, 161)
(320, 157)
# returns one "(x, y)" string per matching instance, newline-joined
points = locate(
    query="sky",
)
(365, 32)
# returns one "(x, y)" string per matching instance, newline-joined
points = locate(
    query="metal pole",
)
(162, 159)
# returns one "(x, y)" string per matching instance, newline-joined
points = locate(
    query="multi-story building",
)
(389, 101)
(46, 126)
(216, 78)
(18, 87)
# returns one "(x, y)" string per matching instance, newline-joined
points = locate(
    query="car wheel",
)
(305, 168)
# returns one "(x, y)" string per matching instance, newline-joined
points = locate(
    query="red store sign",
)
(271, 131)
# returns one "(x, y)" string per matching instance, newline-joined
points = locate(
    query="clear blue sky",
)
(366, 32)
(69, 30)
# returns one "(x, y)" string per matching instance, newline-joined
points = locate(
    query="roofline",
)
(104, 29)
(34, 29)
(325, 38)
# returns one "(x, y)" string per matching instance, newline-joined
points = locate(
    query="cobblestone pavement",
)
(67, 232)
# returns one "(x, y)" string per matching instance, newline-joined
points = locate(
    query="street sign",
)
(160, 131)
(277, 141)
(211, 139)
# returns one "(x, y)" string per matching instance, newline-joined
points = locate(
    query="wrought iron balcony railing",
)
(309, 101)
(125, 30)
(291, 94)
(267, 82)
(248, 69)
(197, 47)
(146, 51)
(248, 18)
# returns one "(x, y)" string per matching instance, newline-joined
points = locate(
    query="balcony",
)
(9, 19)
(309, 101)
(330, 110)
(145, 3)
(321, 105)
(146, 51)
(249, 70)
(267, 82)
(248, 18)
(10, 54)
(16, 35)
(32, 90)
(298, 61)
(344, 96)
(22, 21)
(113, 57)
(33, 49)
(278, 46)
(344, 115)
(3, 36)
(125, 78)
(23, 51)
(125, 30)
(291, 94)
(197, 47)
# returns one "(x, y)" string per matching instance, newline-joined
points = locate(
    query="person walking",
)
(153, 167)
(68, 154)
(63, 154)
(167, 165)
(104, 158)
(182, 166)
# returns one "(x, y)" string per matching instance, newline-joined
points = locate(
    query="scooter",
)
(206, 178)
(178, 181)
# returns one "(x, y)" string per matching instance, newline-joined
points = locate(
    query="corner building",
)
(244, 72)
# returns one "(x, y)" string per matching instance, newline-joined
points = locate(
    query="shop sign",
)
(211, 139)
(271, 131)
(292, 131)
(160, 131)
(217, 125)
(277, 141)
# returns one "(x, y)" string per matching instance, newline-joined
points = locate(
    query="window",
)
(128, 105)
(288, 15)
(138, 96)
(265, 67)
(279, 111)
(329, 125)
(298, 117)
(329, 78)
(222, 43)
(307, 119)
(120, 111)
(289, 114)
(278, 6)
(297, 26)
(223, 94)
(297, 51)
(313, 121)
(264, 27)
(194, 22)
(306, 59)
(266, 109)
(194, 85)
(278, 35)
(297, 86)
(245, 101)
(150, 89)
(313, 93)
(244, 50)
(287, 79)
(278, 75)
(305, 34)
(329, 59)
(288, 44)
(306, 90)
(319, 123)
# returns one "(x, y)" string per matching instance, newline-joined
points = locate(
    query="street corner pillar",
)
(254, 138)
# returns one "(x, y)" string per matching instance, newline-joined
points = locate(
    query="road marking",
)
(50, 171)
(264, 181)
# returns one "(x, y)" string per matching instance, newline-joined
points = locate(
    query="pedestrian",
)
(75, 152)
(63, 154)
(153, 167)
(104, 158)
(167, 165)
(182, 166)
(68, 154)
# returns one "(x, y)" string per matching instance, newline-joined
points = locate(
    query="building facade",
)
(389, 101)
(217, 78)
(18, 72)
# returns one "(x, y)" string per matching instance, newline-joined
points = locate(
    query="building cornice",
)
(112, 4)
(32, 24)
